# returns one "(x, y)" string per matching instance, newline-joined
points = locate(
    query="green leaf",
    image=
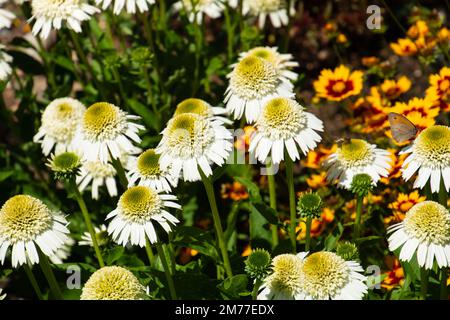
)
(196, 239)
(114, 254)
(234, 287)
(267, 212)
(252, 188)
(5, 174)
(260, 236)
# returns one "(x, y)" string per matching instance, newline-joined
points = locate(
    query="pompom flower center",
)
(193, 105)
(282, 118)
(113, 283)
(264, 53)
(23, 217)
(55, 8)
(148, 163)
(429, 222)
(138, 204)
(103, 121)
(286, 274)
(324, 274)
(99, 170)
(253, 78)
(266, 5)
(355, 153)
(432, 146)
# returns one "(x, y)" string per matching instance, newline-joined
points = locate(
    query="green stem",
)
(258, 284)
(357, 226)
(308, 233)
(230, 32)
(291, 190)
(288, 27)
(423, 283)
(49, 275)
(118, 78)
(120, 172)
(444, 276)
(169, 278)
(148, 249)
(217, 223)
(443, 195)
(33, 281)
(273, 200)
(87, 221)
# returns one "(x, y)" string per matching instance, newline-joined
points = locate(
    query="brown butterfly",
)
(402, 129)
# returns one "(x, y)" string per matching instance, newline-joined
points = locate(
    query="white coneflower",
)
(59, 124)
(147, 171)
(282, 62)
(203, 108)
(276, 10)
(425, 232)
(325, 276)
(113, 283)
(62, 253)
(284, 281)
(138, 208)
(5, 67)
(52, 13)
(190, 141)
(26, 222)
(100, 232)
(284, 124)
(97, 174)
(355, 157)
(2, 296)
(252, 82)
(196, 8)
(6, 16)
(130, 5)
(430, 155)
(106, 129)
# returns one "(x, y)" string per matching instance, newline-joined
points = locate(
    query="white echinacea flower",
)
(138, 208)
(6, 16)
(284, 125)
(196, 8)
(50, 14)
(430, 157)
(130, 5)
(5, 61)
(26, 224)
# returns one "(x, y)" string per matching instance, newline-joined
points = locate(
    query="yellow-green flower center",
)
(188, 135)
(355, 153)
(65, 161)
(193, 105)
(113, 283)
(286, 274)
(264, 53)
(139, 204)
(429, 222)
(98, 169)
(103, 120)
(254, 78)
(23, 218)
(281, 118)
(266, 6)
(148, 163)
(432, 147)
(324, 274)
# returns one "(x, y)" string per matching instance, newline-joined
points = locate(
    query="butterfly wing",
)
(402, 129)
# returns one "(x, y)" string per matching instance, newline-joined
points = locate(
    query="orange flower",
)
(234, 191)
(330, 27)
(247, 251)
(243, 141)
(425, 45)
(369, 61)
(396, 166)
(402, 204)
(341, 38)
(439, 89)
(444, 35)
(316, 181)
(419, 29)
(315, 157)
(338, 84)
(424, 107)
(404, 47)
(395, 277)
(417, 119)
(392, 89)
(317, 225)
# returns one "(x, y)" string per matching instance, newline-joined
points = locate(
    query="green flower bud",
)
(258, 264)
(310, 205)
(361, 185)
(347, 251)
(65, 165)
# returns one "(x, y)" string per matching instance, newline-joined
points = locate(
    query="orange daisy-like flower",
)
(403, 203)
(316, 181)
(419, 29)
(393, 89)
(394, 277)
(234, 191)
(443, 35)
(404, 47)
(439, 89)
(424, 107)
(315, 157)
(425, 45)
(317, 225)
(417, 119)
(396, 165)
(369, 61)
(373, 110)
(243, 141)
(338, 84)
